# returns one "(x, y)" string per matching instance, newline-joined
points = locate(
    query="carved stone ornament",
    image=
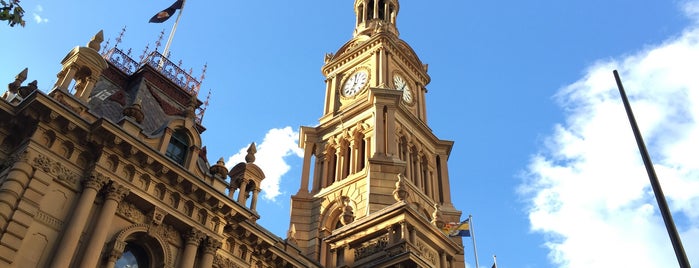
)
(193, 237)
(116, 192)
(61, 172)
(222, 262)
(437, 217)
(211, 245)
(95, 181)
(370, 247)
(400, 194)
(347, 216)
(158, 215)
(131, 212)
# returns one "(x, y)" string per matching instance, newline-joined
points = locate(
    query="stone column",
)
(253, 202)
(339, 162)
(115, 193)
(243, 191)
(444, 180)
(443, 260)
(192, 240)
(66, 247)
(209, 250)
(115, 254)
(306, 169)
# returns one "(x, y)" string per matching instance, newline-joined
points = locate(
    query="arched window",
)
(134, 256)
(177, 149)
(361, 13)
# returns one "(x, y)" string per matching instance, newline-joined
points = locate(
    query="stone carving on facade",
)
(116, 192)
(49, 220)
(157, 215)
(291, 235)
(95, 181)
(400, 194)
(426, 252)
(437, 217)
(57, 169)
(370, 247)
(131, 212)
(193, 237)
(223, 262)
(347, 216)
(210, 245)
(166, 232)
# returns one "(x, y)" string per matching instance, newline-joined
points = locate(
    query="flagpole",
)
(172, 32)
(654, 182)
(473, 238)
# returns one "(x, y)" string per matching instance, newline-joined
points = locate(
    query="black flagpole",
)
(659, 196)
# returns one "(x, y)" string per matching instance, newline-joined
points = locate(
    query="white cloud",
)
(278, 144)
(37, 18)
(588, 190)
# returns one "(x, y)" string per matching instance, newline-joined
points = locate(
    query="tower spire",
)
(375, 16)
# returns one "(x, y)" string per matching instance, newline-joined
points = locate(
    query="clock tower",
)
(375, 183)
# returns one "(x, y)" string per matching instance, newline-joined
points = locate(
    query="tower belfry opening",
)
(375, 14)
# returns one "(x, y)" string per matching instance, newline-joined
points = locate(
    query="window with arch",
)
(177, 148)
(134, 256)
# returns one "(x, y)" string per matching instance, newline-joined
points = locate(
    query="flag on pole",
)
(457, 228)
(164, 15)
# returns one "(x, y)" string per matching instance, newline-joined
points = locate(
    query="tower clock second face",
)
(355, 83)
(402, 85)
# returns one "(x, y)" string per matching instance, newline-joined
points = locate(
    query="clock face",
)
(355, 83)
(402, 85)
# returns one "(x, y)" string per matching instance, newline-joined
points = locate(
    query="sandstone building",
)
(108, 168)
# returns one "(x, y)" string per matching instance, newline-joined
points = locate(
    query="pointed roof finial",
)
(21, 76)
(291, 234)
(252, 150)
(121, 35)
(96, 41)
(160, 39)
(219, 168)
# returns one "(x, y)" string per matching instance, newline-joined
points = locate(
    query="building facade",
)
(379, 192)
(107, 169)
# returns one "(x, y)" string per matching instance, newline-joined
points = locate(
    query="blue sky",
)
(544, 159)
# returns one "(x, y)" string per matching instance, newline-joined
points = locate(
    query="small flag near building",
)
(457, 229)
(164, 15)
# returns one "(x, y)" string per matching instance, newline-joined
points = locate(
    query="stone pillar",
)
(339, 160)
(317, 176)
(443, 260)
(243, 191)
(209, 251)
(392, 145)
(379, 141)
(253, 203)
(306, 169)
(115, 254)
(446, 189)
(65, 77)
(192, 240)
(66, 247)
(115, 193)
